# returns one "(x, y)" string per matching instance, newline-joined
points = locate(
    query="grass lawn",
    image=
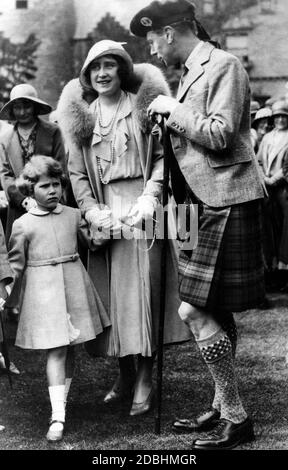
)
(187, 389)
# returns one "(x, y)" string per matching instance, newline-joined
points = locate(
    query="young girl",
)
(59, 306)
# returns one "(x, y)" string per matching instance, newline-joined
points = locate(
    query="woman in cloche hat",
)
(29, 136)
(116, 180)
(261, 125)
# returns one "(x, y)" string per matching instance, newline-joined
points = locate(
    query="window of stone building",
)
(267, 6)
(209, 7)
(21, 4)
(237, 44)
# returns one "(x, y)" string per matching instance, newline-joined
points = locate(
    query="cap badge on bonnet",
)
(145, 21)
(161, 13)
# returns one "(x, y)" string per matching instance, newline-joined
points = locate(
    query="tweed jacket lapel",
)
(195, 69)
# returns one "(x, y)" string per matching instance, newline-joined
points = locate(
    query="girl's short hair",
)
(36, 167)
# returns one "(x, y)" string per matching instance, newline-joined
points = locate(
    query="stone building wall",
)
(53, 22)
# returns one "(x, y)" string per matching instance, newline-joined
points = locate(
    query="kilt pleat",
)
(225, 270)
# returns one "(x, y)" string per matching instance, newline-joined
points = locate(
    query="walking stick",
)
(167, 152)
(5, 350)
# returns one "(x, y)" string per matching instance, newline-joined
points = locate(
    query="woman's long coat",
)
(49, 142)
(77, 124)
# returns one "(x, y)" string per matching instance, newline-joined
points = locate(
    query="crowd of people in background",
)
(269, 137)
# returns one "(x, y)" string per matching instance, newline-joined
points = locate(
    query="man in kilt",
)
(210, 128)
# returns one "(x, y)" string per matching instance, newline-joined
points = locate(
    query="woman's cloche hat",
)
(101, 48)
(254, 107)
(27, 92)
(280, 107)
(262, 113)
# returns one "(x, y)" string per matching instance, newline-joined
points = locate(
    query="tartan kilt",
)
(225, 271)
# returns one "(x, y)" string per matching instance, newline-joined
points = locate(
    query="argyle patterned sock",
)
(229, 326)
(217, 353)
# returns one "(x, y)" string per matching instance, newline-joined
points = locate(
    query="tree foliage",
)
(110, 28)
(17, 64)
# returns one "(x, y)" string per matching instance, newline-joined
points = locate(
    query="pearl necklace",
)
(105, 129)
(98, 160)
(100, 170)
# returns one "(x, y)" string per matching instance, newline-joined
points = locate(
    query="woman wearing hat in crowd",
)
(114, 176)
(29, 136)
(272, 156)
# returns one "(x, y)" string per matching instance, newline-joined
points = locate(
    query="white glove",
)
(99, 218)
(2, 304)
(163, 105)
(3, 200)
(28, 203)
(144, 209)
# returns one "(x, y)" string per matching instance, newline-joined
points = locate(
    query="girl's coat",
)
(43, 251)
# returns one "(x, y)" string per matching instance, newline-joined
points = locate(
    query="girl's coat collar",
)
(36, 211)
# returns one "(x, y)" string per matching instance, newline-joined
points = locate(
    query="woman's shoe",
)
(54, 433)
(13, 369)
(143, 407)
(119, 392)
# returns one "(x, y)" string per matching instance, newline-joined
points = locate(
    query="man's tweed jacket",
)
(211, 130)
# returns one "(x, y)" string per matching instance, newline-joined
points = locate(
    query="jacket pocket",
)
(219, 161)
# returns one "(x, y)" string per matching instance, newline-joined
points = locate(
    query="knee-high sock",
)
(217, 353)
(229, 326)
(57, 394)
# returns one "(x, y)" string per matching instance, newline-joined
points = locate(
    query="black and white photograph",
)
(144, 230)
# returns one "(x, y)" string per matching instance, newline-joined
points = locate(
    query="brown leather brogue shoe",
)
(204, 422)
(226, 435)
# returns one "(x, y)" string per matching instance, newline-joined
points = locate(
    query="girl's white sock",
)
(57, 394)
(68, 381)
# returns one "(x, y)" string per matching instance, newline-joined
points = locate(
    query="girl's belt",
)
(54, 261)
